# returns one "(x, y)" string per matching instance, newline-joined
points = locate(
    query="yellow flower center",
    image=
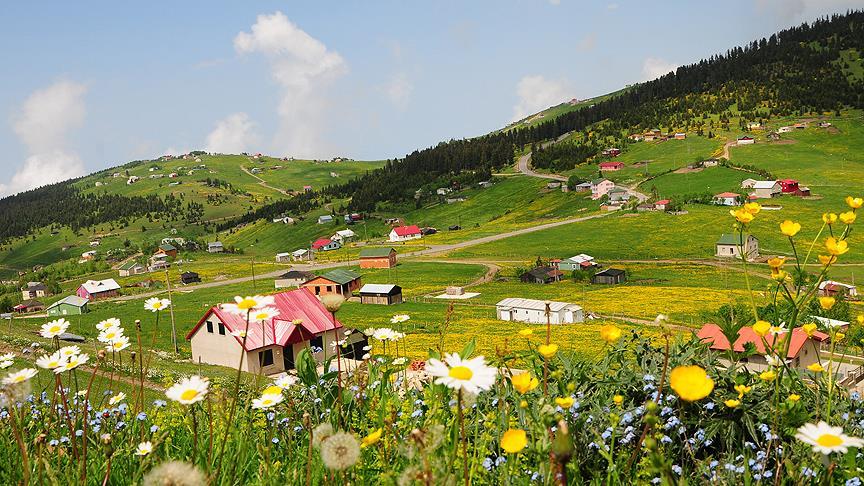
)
(55, 329)
(461, 373)
(829, 440)
(18, 379)
(272, 390)
(189, 394)
(247, 304)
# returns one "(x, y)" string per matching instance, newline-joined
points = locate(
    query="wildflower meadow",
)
(658, 409)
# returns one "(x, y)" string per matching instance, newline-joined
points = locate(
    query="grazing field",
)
(710, 180)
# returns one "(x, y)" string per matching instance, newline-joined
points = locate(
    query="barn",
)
(383, 294)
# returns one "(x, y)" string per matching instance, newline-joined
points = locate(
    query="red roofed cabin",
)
(788, 185)
(271, 346)
(404, 233)
(803, 350)
(612, 166)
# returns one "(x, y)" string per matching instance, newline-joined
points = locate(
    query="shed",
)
(215, 247)
(534, 311)
(29, 305)
(609, 276)
(541, 275)
(384, 294)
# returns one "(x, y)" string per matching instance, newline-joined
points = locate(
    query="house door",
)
(288, 357)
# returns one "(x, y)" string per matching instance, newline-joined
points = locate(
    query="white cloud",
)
(399, 90)
(538, 93)
(555, 2)
(43, 124)
(233, 134)
(303, 68)
(653, 68)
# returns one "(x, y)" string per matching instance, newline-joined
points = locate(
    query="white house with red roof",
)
(405, 233)
(803, 348)
(271, 346)
(326, 244)
(726, 199)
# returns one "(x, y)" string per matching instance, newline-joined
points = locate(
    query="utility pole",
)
(171, 310)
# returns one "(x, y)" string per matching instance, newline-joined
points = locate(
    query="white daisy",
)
(267, 400)
(471, 375)
(243, 305)
(54, 328)
(109, 335)
(400, 361)
(239, 333)
(263, 314)
(189, 390)
(67, 351)
(7, 357)
(118, 344)
(72, 363)
(773, 360)
(6, 364)
(399, 318)
(19, 376)
(827, 439)
(155, 304)
(108, 324)
(285, 381)
(117, 398)
(50, 361)
(144, 448)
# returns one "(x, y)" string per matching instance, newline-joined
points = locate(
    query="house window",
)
(221, 329)
(265, 358)
(317, 342)
(210, 327)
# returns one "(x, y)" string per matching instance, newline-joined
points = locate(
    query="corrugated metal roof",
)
(535, 304)
(375, 252)
(377, 288)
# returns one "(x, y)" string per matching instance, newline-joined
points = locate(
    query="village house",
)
(88, 255)
(710, 163)
(800, 125)
(284, 220)
(610, 276)
(271, 347)
(168, 250)
(662, 204)
(343, 236)
(824, 124)
(831, 324)
(788, 186)
(131, 268)
(377, 258)
(485, 184)
(71, 305)
(773, 136)
(339, 281)
(730, 245)
(680, 136)
(577, 262)
(832, 288)
(405, 233)
(582, 186)
(745, 140)
(534, 311)
(187, 278)
(645, 207)
(618, 194)
(748, 183)
(325, 218)
(803, 349)
(132, 180)
(611, 166)
(754, 126)
(601, 187)
(542, 275)
(785, 129)
(29, 305)
(215, 247)
(325, 244)
(766, 189)
(301, 254)
(611, 152)
(34, 290)
(284, 257)
(383, 294)
(636, 137)
(98, 289)
(293, 279)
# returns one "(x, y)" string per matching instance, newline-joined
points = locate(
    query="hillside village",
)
(681, 226)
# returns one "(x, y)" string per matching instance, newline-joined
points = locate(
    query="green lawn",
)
(713, 180)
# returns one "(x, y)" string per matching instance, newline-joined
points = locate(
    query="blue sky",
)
(96, 84)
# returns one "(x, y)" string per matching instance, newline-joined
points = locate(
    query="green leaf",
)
(469, 348)
(306, 367)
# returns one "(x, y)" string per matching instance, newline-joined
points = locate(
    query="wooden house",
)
(541, 275)
(167, 249)
(339, 281)
(98, 289)
(34, 290)
(71, 305)
(29, 305)
(377, 258)
(384, 294)
(131, 268)
(609, 276)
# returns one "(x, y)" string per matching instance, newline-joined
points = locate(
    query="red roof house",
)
(269, 346)
(325, 244)
(611, 166)
(661, 204)
(402, 233)
(803, 349)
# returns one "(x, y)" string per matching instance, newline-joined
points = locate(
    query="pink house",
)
(611, 165)
(98, 289)
(601, 187)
